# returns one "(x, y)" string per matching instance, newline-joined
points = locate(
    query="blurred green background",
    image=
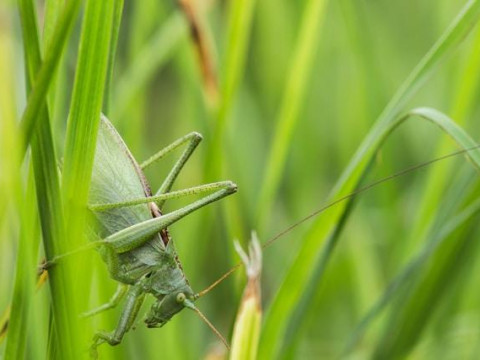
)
(297, 86)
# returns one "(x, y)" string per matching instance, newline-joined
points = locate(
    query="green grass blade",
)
(299, 318)
(294, 93)
(19, 205)
(464, 99)
(9, 135)
(415, 309)
(279, 328)
(240, 15)
(117, 19)
(47, 186)
(47, 71)
(408, 272)
(300, 272)
(233, 66)
(86, 104)
(152, 56)
(25, 276)
(87, 99)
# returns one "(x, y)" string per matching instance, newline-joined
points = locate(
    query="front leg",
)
(133, 303)
(113, 302)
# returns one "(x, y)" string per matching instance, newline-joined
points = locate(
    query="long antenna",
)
(218, 281)
(190, 305)
(335, 202)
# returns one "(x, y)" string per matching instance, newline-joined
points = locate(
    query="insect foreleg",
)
(136, 235)
(193, 139)
(114, 301)
(134, 301)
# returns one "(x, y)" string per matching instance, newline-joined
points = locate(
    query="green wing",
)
(116, 177)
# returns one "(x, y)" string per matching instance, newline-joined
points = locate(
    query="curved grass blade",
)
(413, 313)
(464, 98)
(321, 259)
(439, 119)
(300, 273)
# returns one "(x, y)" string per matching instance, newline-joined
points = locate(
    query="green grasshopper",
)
(134, 240)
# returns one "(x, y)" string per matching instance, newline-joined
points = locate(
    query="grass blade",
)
(418, 305)
(25, 276)
(87, 99)
(240, 19)
(152, 56)
(47, 187)
(298, 314)
(409, 271)
(117, 19)
(463, 102)
(299, 274)
(21, 206)
(46, 73)
(293, 95)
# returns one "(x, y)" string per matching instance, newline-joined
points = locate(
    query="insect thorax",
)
(167, 276)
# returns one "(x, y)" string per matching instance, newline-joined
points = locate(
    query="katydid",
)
(135, 243)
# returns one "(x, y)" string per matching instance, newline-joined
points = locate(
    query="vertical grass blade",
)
(25, 274)
(293, 95)
(154, 54)
(47, 186)
(117, 19)
(232, 67)
(86, 105)
(240, 19)
(19, 204)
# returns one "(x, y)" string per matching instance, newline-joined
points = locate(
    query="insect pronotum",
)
(132, 236)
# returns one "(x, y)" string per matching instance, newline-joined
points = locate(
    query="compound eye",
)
(180, 297)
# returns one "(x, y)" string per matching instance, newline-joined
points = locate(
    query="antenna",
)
(223, 277)
(190, 305)
(335, 202)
